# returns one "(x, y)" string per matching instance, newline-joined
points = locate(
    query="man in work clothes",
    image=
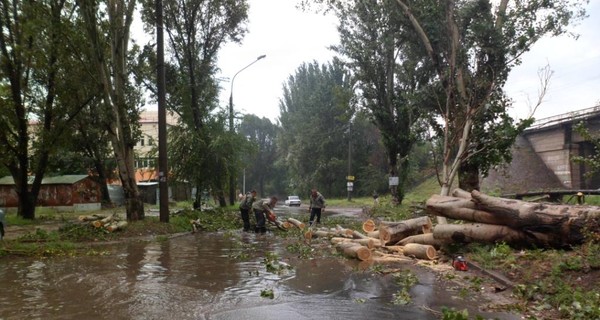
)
(245, 206)
(262, 208)
(317, 205)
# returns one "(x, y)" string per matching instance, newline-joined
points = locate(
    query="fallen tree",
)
(493, 219)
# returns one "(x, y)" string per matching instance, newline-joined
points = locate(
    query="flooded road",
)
(209, 276)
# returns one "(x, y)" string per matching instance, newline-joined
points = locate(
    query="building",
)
(66, 193)
(146, 149)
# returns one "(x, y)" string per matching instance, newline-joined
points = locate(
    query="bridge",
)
(542, 157)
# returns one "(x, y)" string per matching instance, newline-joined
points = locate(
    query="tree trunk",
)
(489, 233)
(561, 224)
(300, 225)
(426, 238)
(391, 234)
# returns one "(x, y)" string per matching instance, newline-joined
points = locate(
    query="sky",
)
(289, 37)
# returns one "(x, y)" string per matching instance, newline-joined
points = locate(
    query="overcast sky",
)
(289, 37)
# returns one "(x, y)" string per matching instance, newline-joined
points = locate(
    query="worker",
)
(262, 208)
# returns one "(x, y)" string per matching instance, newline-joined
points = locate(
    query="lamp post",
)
(231, 176)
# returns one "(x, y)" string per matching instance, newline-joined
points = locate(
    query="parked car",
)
(293, 201)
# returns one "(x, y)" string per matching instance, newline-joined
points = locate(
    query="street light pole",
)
(231, 129)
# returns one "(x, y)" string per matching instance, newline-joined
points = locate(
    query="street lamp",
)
(231, 177)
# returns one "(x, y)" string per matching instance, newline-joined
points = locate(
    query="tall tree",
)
(196, 30)
(389, 80)
(472, 46)
(37, 98)
(315, 116)
(109, 23)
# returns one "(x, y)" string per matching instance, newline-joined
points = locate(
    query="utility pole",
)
(163, 168)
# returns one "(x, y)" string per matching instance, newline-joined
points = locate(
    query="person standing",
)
(245, 206)
(317, 205)
(262, 208)
(375, 198)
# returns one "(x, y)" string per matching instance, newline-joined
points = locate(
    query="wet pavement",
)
(214, 276)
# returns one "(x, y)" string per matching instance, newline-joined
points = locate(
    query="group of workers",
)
(263, 209)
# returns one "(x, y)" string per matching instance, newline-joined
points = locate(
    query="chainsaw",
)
(272, 218)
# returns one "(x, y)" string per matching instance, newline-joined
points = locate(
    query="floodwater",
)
(210, 276)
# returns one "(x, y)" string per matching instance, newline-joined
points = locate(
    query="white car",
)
(293, 201)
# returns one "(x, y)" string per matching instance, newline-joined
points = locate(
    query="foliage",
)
(201, 150)
(260, 155)
(43, 90)
(273, 265)
(315, 119)
(592, 161)
(452, 314)
(389, 81)
(267, 293)
(406, 279)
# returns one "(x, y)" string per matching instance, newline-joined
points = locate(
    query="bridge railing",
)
(569, 116)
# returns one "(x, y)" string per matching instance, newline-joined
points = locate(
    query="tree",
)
(472, 46)
(261, 152)
(119, 98)
(388, 78)
(87, 150)
(196, 30)
(37, 98)
(315, 116)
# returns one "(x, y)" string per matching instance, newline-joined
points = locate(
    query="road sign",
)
(350, 178)
(350, 184)
(394, 181)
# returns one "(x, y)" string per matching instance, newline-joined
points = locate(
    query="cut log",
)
(114, 226)
(348, 233)
(300, 225)
(391, 234)
(358, 235)
(368, 226)
(369, 243)
(426, 238)
(420, 251)
(373, 234)
(354, 250)
(91, 217)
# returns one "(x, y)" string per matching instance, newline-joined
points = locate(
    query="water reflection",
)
(199, 277)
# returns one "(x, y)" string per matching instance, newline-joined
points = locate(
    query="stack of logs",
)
(110, 223)
(375, 243)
